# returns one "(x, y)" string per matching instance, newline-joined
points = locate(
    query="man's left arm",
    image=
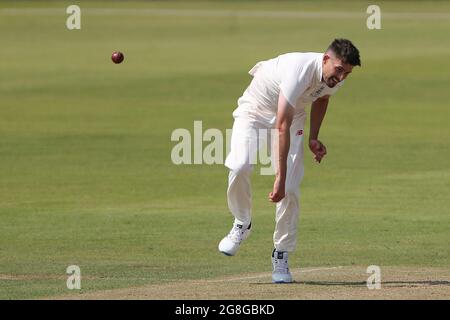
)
(318, 111)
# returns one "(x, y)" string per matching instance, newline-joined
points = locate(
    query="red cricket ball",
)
(117, 57)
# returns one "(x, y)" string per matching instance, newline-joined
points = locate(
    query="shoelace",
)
(236, 234)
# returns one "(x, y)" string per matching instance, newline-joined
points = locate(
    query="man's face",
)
(334, 70)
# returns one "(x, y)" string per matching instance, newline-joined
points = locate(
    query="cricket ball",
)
(117, 57)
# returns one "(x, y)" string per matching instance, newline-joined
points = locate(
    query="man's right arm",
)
(285, 114)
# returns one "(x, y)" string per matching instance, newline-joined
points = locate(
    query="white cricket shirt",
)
(298, 75)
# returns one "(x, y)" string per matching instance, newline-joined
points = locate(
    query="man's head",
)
(338, 61)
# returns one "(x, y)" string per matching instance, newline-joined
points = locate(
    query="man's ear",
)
(326, 57)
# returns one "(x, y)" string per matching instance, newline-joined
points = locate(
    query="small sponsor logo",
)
(317, 93)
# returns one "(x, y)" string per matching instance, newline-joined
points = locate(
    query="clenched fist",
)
(318, 148)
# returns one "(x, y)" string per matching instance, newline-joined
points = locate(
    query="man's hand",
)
(278, 192)
(318, 148)
(318, 110)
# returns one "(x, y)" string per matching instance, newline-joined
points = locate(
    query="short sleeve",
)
(295, 83)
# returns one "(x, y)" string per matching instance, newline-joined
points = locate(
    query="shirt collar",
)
(319, 68)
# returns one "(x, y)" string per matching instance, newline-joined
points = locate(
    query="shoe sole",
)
(281, 282)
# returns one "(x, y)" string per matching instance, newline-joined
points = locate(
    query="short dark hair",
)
(346, 51)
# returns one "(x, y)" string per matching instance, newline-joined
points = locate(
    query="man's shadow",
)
(364, 283)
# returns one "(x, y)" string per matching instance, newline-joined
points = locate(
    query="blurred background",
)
(86, 176)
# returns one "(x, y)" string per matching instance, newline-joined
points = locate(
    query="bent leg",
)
(240, 161)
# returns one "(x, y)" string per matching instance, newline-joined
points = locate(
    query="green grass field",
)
(86, 176)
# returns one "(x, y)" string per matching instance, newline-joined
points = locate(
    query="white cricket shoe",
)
(280, 272)
(230, 244)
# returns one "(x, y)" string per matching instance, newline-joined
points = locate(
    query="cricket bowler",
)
(276, 98)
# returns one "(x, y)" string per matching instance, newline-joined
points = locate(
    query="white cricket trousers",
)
(246, 140)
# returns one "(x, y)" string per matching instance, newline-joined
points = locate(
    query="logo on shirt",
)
(318, 92)
(299, 132)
